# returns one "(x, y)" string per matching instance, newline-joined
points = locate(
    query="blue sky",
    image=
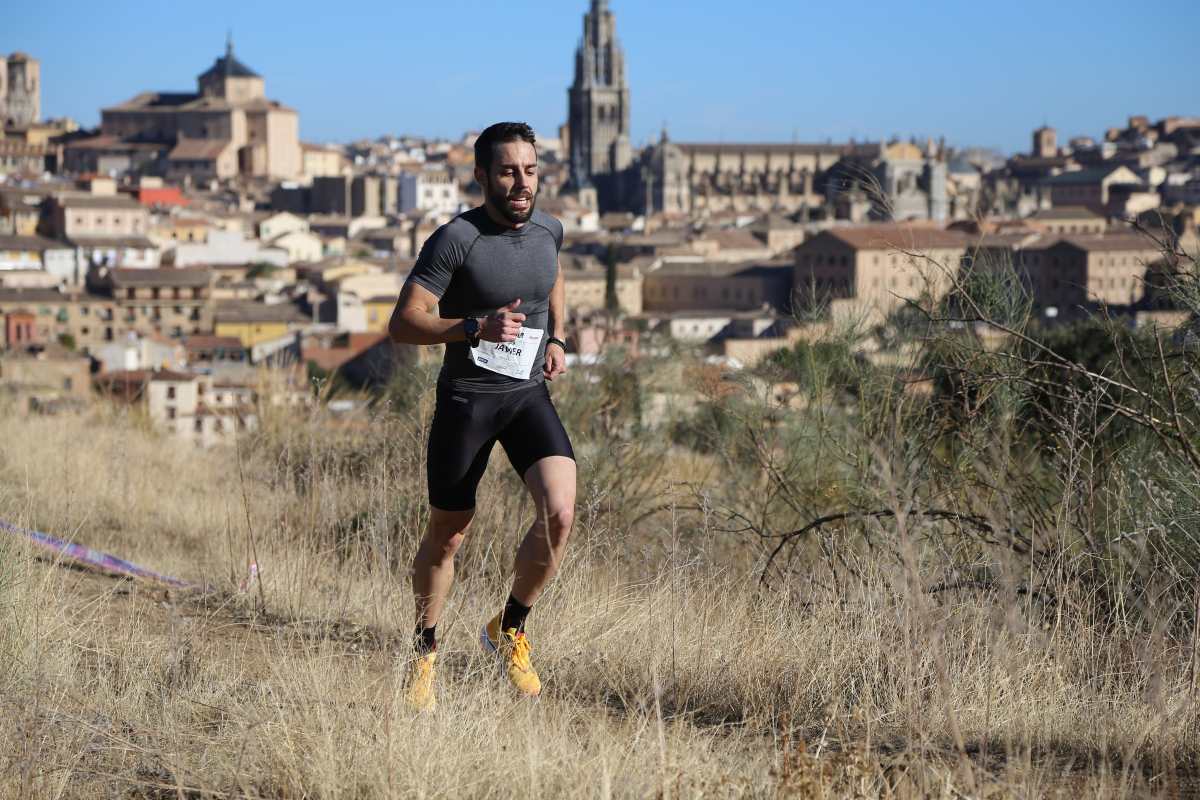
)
(765, 70)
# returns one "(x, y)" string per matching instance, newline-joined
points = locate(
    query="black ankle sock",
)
(514, 615)
(425, 639)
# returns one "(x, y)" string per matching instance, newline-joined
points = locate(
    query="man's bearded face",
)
(512, 182)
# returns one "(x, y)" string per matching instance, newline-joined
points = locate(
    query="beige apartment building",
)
(1090, 187)
(20, 211)
(84, 218)
(23, 158)
(168, 302)
(45, 377)
(110, 230)
(147, 302)
(88, 319)
(253, 323)
(778, 233)
(871, 270)
(188, 406)
(688, 286)
(1068, 220)
(586, 282)
(188, 230)
(280, 223)
(1084, 270)
(322, 162)
(195, 409)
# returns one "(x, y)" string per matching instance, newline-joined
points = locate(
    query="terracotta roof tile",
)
(1109, 242)
(169, 376)
(162, 276)
(1065, 212)
(895, 237)
(199, 149)
(92, 201)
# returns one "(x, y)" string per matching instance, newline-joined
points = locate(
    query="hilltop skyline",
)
(787, 74)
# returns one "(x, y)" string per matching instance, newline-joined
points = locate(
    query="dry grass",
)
(669, 672)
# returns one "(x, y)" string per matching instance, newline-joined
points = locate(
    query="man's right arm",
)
(415, 320)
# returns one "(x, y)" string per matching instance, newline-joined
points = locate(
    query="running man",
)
(487, 285)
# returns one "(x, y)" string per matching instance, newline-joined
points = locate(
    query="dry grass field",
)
(890, 658)
(670, 672)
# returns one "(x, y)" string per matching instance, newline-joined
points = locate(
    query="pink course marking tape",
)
(105, 562)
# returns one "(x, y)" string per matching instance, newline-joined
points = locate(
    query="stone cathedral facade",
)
(852, 181)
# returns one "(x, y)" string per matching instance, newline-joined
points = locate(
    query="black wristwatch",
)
(471, 329)
(552, 340)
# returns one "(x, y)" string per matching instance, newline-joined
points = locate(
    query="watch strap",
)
(471, 327)
(553, 340)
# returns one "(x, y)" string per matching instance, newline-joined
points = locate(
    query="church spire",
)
(229, 52)
(598, 109)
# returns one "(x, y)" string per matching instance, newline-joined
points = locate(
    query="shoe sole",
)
(485, 642)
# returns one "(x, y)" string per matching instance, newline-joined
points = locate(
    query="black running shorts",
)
(467, 424)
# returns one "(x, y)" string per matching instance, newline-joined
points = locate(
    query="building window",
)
(199, 425)
(170, 412)
(170, 392)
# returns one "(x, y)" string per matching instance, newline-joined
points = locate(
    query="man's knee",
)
(446, 532)
(558, 520)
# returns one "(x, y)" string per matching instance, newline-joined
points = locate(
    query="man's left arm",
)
(556, 355)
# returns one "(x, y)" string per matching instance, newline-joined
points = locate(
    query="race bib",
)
(514, 359)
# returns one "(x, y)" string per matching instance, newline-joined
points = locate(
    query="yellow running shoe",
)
(512, 648)
(418, 692)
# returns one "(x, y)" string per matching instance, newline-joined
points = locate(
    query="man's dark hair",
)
(496, 134)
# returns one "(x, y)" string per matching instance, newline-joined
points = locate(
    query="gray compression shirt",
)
(474, 266)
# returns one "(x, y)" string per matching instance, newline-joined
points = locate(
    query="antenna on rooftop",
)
(229, 42)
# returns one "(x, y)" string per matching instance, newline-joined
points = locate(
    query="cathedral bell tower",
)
(598, 108)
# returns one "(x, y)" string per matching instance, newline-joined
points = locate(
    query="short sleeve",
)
(441, 254)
